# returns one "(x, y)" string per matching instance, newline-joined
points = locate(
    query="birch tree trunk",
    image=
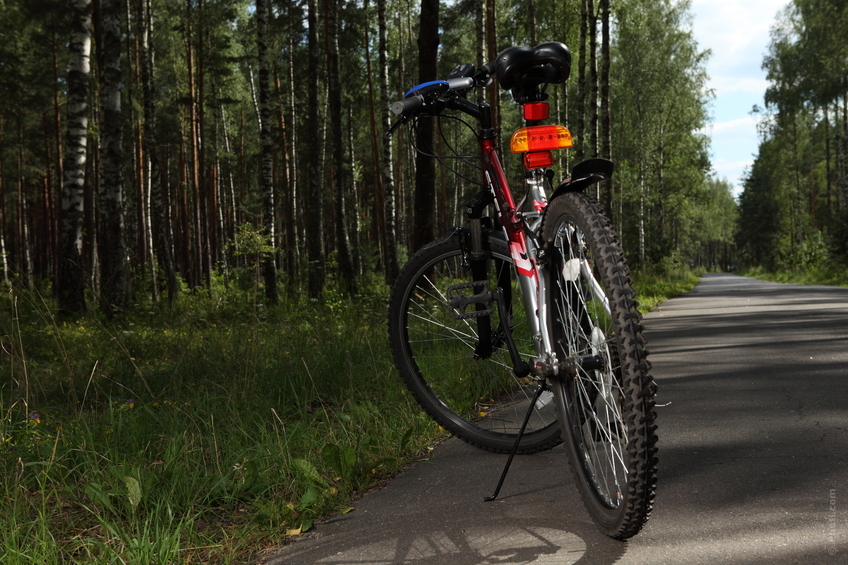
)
(3, 259)
(269, 266)
(389, 200)
(69, 278)
(314, 219)
(114, 261)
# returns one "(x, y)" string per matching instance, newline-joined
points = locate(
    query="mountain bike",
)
(519, 330)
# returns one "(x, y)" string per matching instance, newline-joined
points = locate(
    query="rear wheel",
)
(475, 396)
(607, 413)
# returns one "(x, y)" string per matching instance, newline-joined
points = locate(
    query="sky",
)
(737, 33)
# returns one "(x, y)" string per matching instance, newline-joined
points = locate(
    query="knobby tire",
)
(607, 414)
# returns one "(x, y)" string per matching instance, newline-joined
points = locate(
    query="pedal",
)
(458, 301)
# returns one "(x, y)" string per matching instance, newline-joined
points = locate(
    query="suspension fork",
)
(478, 263)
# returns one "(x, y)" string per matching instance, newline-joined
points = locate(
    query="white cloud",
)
(732, 171)
(738, 127)
(737, 33)
(726, 84)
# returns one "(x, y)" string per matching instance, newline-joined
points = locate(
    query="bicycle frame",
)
(588, 362)
(524, 247)
(526, 251)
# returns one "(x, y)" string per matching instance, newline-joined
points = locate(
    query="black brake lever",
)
(397, 124)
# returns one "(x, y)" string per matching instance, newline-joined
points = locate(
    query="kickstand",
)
(535, 398)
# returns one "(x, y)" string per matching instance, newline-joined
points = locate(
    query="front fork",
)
(530, 268)
(534, 286)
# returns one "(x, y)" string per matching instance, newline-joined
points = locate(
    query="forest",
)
(201, 216)
(793, 211)
(154, 147)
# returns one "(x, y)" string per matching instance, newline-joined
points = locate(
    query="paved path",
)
(753, 379)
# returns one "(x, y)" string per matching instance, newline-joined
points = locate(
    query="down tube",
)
(524, 253)
(533, 288)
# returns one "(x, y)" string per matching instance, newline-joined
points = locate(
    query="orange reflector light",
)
(540, 138)
(538, 160)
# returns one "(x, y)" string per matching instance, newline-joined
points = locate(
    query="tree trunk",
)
(57, 119)
(114, 260)
(69, 279)
(267, 158)
(294, 208)
(425, 171)
(314, 206)
(379, 216)
(347, 268)
(480, 25)
(3, 258)
(491, 54)
(593, 81)
(828, 194)
(606, 123)
(159, 224)
(204, 188)
(531, 16)
(580, 127)
(391, 261)
(288, 200)
(358, 206)
(195, 266)
(24, 240)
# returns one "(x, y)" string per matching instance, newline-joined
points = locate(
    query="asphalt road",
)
(753, 427)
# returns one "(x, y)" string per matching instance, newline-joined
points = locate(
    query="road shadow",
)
(753, 434)
(434, 513)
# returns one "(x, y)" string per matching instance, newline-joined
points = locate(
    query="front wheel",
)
(607, 413)
(474, 395)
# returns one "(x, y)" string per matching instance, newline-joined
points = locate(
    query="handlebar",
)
(436, 95)
(419, 95)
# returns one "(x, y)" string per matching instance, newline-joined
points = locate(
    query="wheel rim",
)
(478, 395)
(594, 399)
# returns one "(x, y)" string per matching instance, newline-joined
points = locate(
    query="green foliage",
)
(831, 273)
(792, 211)
(659, 95)
(662, 281)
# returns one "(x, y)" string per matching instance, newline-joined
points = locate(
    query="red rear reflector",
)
(538, 160)
(536, 111)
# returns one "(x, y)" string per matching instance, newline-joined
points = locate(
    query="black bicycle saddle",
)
(528, 67)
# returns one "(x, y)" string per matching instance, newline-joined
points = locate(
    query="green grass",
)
(656, 284)
(833, 274)
(201, 434)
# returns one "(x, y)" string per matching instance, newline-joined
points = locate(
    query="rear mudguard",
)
(585, 173)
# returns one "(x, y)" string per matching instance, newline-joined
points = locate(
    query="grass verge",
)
(656, 284)
(831, 275)
(200, 434)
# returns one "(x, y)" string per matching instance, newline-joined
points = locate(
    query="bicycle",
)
(520, 330)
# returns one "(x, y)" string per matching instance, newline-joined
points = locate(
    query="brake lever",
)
(397, 124)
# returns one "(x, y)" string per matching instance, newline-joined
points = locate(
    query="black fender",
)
(585, 173)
